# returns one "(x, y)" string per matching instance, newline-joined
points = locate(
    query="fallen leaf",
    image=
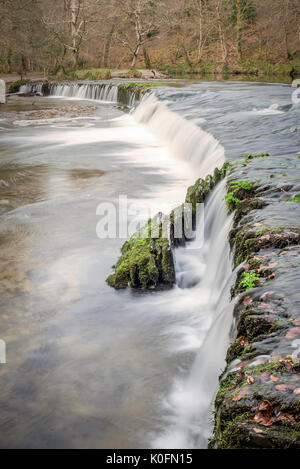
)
(258, 430)
(263, 419)
(243, 364)
(265, 238)
(264, 305)
(270, 266)
(293, 333)
(297, 391)
(243, 341)
(247, 300)
(266, 295)
(265, 406)
(247, 267)
(284, 387)
(274, 378)
(273, 275)
(241, 394)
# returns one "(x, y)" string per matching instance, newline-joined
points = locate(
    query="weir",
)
(204, 272)
(198, 313)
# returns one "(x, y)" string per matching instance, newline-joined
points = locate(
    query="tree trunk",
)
(147, 59)
(107, 46)
(135, 56)
(239, 28)
(200, 31)
(186, 55)
(74, 12)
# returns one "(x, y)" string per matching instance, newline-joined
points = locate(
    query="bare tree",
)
(140, 25)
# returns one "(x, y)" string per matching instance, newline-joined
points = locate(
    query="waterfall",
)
(205, 275)
(36, 87)
(185, 139)
(91, 91)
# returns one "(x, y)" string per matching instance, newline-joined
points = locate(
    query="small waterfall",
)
(206, 276)
(186, 140)
(36, 88)
(91, 91)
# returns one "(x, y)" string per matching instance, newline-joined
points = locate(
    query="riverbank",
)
(257, 404)
(247, 70)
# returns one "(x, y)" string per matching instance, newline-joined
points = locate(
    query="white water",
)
(204, 274)
(207, 271)
(31, 88)
(90, 91)
(185, 139)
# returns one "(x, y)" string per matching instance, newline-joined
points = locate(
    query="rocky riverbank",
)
(257, 404)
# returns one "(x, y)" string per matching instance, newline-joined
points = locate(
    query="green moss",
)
(231, 201)
(245, 185)
(238, 191)
(249, 156)
(145, 263)
(295, 198)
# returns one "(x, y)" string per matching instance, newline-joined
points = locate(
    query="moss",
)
(238, 191)
(247, 241)
(145, 263)
(14, 87)
(239, 433)
(295, 198)
(245, 207)
(248, 157)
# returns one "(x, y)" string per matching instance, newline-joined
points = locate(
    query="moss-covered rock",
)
(257, 404)
(145, 263)
(147, 259)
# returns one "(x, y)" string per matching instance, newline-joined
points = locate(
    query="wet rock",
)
(257, 404)
(147, 261)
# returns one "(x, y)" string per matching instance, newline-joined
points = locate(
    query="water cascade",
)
(204, 272)
(91, 91)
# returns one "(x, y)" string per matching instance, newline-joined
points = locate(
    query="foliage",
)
(246, 185)
(231, 201)
(249, 280)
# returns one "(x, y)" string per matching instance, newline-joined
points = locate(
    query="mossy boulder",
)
(145, 263)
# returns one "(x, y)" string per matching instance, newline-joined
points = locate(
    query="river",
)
(88, 366)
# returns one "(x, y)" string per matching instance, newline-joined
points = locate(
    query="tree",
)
(140, 25)
(70, 22)
(243, 11)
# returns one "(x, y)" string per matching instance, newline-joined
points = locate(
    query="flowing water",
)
(88, 366)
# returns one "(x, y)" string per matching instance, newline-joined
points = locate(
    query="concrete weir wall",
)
(2, 92)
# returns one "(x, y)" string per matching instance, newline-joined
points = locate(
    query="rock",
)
(147, 262)
(264, 353)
